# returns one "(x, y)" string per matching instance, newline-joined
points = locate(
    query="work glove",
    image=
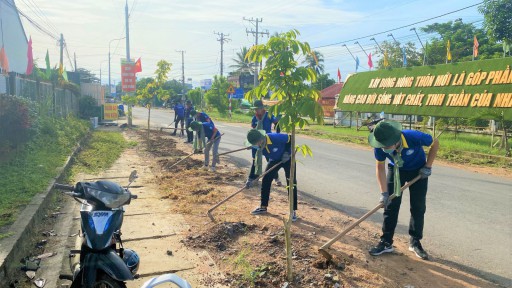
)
(286, 157)
(425, 172)
(384, 199)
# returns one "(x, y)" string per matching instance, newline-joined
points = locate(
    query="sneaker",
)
(382, 247)
(205, 168)
(212, 169)
(248, 184)
(259, 210)
(415, 246)
(173, 134)
(294, 216)
(279, 183)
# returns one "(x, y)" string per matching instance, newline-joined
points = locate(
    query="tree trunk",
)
(129, 115)
(288, 223)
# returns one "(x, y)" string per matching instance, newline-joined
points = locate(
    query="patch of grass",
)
(34, 165)
(243, 265)
(101, 151)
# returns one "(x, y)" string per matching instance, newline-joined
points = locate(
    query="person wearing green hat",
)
(206, 130)
(406, 159)
(262, 120)
(277, 148)
(189, 117)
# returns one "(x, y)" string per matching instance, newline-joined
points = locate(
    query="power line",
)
(33, 22)
(405, 26)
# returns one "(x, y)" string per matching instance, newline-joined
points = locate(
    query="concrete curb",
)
(14, 248)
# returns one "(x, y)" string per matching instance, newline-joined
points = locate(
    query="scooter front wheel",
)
(105, 281)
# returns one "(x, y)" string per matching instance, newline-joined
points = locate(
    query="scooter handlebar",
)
(134, 196)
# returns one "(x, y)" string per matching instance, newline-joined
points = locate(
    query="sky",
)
(159, 29)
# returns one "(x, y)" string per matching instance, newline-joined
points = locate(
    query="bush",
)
(16, 122)
(88, 108)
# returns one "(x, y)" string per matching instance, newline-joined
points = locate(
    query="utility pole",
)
(183, 73)
(256, 34)
(74, 54)
(222, 39)
(127, 32)
(61, 61)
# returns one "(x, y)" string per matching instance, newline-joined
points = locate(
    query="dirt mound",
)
(161, 144)
(219, 236)
(167, 164)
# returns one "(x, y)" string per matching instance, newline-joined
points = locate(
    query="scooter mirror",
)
(133, 176)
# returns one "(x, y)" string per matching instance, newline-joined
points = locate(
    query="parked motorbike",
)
(103, 261)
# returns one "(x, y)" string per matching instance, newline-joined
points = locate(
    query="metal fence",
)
(56, 101)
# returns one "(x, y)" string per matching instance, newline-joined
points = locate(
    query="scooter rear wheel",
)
(105, 281)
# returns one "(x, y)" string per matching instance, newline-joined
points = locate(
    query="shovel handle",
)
(368, 214)
(240, 190)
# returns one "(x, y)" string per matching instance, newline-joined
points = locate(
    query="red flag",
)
(339, 76)
(30, 62)
(138, 66)
(475, 47)
(4, 62)
(370, 63)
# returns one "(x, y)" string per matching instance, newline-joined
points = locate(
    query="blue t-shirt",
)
(413, 155)
(203, 117)
(267, 119)
(188, 110)
(179, 110)
(276, 145)
(208, 130)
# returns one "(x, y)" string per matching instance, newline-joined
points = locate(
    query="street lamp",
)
(391, 34)
(378, 45)
(109, 83)
(424, 50)
(357, 42)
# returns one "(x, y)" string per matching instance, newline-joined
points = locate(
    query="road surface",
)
(468, 222)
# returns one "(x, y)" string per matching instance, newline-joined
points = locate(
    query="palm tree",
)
(242, 65)
(315, 60)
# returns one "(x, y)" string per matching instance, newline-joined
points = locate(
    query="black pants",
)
(417, 195)
(178, 120)
(190, 134)
(252, 174)
(267, 181)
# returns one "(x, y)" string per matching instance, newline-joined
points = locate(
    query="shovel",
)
(323, 249)
(209, 213)
(233, 151)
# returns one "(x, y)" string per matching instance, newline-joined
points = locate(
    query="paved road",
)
(469, 215)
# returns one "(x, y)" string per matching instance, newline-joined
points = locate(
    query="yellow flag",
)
(448, 52)
(386, 62)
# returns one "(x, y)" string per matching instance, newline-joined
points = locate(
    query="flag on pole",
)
(4, 62)
(65, 75)
(30, 58)
(404, 57)
(47, 59)
(386, 61)
(339, 75)
(448, 52)
(370, 62)
(475, 47)
(357, 63)
(138, 66)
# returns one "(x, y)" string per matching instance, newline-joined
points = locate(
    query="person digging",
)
(206, 130)
(179, 116)
(277, 148)
(189, 117)
(262, 120)
(407, 159)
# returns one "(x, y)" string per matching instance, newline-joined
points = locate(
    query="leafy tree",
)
(323, 81)
(291, 85)
(461, 42)
(395, 55)
(196, 96)
(315, 61)
(497, 20)
(242, 65)
(217, 96)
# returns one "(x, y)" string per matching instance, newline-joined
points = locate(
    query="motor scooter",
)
(103, 261)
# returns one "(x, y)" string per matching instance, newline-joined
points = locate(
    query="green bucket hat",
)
(385, 133)
(193, 112)
(258, 104)
(254, 136)
(194, 126)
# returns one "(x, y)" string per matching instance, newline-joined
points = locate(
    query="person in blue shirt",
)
(277, 148)
(404, 151)
(208, 131)
(201, 116)
(179, 116)
(189, 117)
(262, 120)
